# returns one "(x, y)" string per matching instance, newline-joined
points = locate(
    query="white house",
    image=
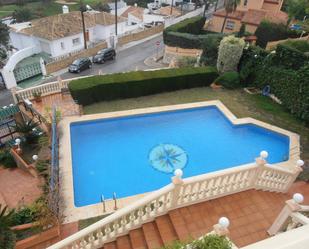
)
(61, 34)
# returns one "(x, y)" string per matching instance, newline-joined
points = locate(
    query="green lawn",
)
(238, 101)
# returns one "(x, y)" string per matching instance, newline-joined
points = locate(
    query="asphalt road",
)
(128, 59)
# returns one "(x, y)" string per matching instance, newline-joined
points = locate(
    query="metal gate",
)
(27, 71)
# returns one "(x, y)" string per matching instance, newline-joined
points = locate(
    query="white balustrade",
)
(44, 89)
(184, 192)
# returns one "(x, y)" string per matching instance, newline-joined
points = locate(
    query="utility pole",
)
(82, 10)
(216, 5)
(172, 7)
(116, 19)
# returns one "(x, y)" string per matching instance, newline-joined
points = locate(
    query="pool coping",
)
(72, 213)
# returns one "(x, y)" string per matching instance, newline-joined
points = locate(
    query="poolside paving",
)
(251, 213)
(63, 102)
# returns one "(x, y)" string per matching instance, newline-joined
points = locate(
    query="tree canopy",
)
(298, 9)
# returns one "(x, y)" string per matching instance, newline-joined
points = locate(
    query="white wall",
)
(133, 19)
(148, 18)
(57, 50)
(21, 41)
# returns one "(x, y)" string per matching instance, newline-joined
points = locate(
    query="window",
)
(230, 25)
(76, 41)
(245, 2)
(62, 45)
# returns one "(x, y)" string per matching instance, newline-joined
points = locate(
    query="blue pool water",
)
(133, 155)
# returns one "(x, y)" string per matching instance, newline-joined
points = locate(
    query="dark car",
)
(80, 65)
(104, 55)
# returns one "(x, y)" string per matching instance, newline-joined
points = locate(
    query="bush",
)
(268, 31)
(253, 57)
(210, 46)
(230, 52)
(192, 25)
(7, 160)
(24, 215)
(299, 45)
(185, 34)
(229, 80)
(290, 86)
(290, 57)
(186, 61)
(212, 241)
(135, 84)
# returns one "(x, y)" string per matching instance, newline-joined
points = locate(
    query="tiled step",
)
(198, 219)
(179, 225)
(138, 239)
(123, 242)
(193, 229)
(152, 235)
(110, 245)
(166, 229)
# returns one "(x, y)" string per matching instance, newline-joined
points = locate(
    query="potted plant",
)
(37, 96)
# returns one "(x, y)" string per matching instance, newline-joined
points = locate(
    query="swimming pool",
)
(137, 154)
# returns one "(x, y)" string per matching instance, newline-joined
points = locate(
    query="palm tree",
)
(229, 6)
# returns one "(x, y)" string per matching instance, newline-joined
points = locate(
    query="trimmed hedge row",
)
(187, 33)
(192, 25)
(135, 84)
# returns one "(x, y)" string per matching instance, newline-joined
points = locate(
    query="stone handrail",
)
(44, 89)
(179, 193)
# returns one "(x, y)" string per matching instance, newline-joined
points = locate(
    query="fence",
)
(54, 171)
(179, 193)
(68, 59)
(27, 71)
(44, 89)
(140, 35)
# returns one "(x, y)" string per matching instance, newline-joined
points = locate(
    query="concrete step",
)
(166, 229)
(152, 235)
(138, 239)
(179, 225)
(123, 242)
(190, 223)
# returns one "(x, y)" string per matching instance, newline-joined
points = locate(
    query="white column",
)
(43, 68)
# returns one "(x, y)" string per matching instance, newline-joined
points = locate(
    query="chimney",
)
(65, 9)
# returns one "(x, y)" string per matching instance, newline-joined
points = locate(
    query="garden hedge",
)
(189, 33)
(268, 31)
(229, 80)
(139, 83)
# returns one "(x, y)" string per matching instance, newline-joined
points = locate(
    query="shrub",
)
(230, 51)
(186, 61)
(229, 80)
(252, 59)
(192, 25)
(24, 215)
(242, 30)
(212, 241)
(268, 31)
(210, 46)
(289, 57)
(140, 83)
(290, 86)
(185, 34)
(300, 45)
(7, 160)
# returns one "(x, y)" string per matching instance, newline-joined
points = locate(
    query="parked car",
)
(80, 65)
(104, 55)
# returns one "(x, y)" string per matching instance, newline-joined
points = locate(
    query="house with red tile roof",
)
(249, 12)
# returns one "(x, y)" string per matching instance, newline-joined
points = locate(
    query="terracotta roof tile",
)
(237, 14)
(166, 11)
(254, 17)
(63, 25)
(132, 9)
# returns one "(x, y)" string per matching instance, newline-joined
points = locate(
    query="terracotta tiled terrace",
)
(63, 102)
(251, 213)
